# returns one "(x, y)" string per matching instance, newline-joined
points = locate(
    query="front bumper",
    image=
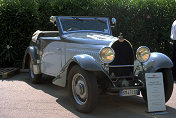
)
(117, 89)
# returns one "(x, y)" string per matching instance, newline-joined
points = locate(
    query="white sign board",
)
(155, 92)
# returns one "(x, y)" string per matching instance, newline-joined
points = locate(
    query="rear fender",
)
(31, 52)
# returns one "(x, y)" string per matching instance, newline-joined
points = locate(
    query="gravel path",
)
(21, 99)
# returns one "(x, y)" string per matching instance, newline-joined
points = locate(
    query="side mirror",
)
(113, 20)
(53, 19)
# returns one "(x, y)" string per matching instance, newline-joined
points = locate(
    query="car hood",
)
(90, 38)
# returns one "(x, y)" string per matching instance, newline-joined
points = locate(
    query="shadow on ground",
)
(108, 106)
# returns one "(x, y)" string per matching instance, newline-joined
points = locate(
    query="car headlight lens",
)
(143, 54)
(107, 55)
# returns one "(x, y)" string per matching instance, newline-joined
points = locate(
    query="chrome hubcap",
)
(79, 89)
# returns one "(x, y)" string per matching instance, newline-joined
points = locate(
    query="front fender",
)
(87, 62)
(157, 61)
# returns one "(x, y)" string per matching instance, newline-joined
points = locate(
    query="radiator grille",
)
(124, 55)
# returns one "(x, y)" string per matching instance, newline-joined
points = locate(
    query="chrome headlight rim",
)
(101, 57)
(148, 51)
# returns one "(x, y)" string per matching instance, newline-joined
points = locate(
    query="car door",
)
(53, 58)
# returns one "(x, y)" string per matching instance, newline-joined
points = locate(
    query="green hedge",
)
(142, 22)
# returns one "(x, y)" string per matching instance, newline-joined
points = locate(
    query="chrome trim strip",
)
(52, 38)
(109, 31)
(122, 66)
(83, 31)
(120, 88)
(61, 25)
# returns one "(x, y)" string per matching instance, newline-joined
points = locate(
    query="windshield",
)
(75, 24)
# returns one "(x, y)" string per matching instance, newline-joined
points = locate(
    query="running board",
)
(59, 81)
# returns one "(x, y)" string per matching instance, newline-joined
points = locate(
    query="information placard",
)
(155, 92)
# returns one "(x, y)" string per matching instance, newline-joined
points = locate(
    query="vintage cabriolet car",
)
(84, 56)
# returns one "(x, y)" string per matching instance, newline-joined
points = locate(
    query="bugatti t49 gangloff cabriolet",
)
(84, 56)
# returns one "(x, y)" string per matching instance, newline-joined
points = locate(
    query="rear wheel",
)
(34, 78)
(82, 87)
(168, 85)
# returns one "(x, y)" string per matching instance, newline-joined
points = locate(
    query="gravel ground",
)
(21, 99)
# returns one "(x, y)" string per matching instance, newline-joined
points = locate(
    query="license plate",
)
(129, 92)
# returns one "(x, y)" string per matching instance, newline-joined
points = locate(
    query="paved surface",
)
(21, 99)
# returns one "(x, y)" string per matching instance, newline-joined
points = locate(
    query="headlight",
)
(107, 55)
(143, 54)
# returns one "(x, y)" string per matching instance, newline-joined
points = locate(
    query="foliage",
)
(17, 23)
(142, 22)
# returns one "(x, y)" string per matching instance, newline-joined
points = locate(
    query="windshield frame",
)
(81, 17)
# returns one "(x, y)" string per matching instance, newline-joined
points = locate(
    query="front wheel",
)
(168, 85)
(82, 86)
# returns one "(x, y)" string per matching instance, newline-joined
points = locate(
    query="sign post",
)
(155, 92)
